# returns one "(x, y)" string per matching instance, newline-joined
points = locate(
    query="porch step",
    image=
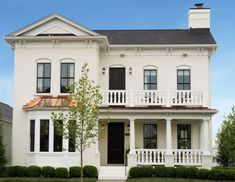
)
(112, 173)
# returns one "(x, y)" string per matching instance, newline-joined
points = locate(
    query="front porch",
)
(167, 146)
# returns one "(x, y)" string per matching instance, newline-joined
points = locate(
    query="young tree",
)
(226, 140)
(3, 159)
(80, 122)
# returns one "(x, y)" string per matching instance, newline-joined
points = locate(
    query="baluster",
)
(192, 157)
(154, 156)
(159, 157)
(142, 156)
(110, 97)
(151, 96)
(144, 152)
(117, 97)
(183, 156)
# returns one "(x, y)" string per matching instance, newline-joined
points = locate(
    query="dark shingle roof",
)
(145, 37)
(6, 111)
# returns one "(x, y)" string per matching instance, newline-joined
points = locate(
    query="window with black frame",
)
(43, 78)
(72, 134)
(67, 77)
(150, 79)
(32, 135)
(150, 136)
(44, 135)
(184, 136)
(58, 138)
(183, 79)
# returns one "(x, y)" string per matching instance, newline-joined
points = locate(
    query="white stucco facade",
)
(191, 107)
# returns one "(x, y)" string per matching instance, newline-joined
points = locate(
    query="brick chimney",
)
(199, 17)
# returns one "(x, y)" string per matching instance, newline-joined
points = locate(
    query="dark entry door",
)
(117, 79)
(115, 143)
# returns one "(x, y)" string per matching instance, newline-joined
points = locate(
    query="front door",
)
(115, 143)
(117, 79)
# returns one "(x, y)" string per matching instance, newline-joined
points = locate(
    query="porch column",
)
(168, 136)
(201, 136)
(132, 136)
(169, 157)
(206, 135)
(206, 157)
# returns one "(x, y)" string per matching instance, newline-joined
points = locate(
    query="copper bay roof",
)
(48, 101)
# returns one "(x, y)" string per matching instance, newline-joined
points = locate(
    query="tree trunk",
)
(81, 156)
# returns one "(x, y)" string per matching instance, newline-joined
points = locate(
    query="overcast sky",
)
(129, 14)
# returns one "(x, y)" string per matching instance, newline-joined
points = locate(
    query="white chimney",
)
(199, 17)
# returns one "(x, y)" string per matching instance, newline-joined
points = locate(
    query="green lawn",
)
(166, 180)
(46, 179)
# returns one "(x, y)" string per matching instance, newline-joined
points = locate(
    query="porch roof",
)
(55, 102)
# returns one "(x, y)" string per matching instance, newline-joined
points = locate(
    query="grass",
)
(18, 179)
(166, 180)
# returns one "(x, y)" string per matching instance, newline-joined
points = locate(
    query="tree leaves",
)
(226, 140)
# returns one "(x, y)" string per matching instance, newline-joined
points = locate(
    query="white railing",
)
(187, 157)
(114, 97)
(150, 156)
(152, 98)
(149, 97)
(186, 98)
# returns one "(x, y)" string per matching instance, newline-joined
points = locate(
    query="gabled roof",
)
(67, 29)
(174, 36)
(49, 18)
(6, 111)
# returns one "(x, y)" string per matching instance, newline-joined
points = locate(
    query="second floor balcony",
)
(140, 98)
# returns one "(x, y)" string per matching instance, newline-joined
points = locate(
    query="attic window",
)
(68, 34)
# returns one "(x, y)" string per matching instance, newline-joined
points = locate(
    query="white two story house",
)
(155, 86)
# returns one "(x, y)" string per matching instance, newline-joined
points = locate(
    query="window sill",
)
(43, 94)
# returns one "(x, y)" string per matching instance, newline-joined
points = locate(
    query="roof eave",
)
(163, 45)
(12, 39)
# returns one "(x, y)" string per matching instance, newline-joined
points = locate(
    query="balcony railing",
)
(187, 157)
(150, 156)
(192, 157)
(132, 98)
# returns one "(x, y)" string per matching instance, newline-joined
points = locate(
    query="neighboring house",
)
(6, 122)
(155, 86)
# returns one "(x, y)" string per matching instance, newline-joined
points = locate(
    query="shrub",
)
(216, 174)
(160, 171)
(61, 172)
(191, 172)
(202, 173)
(75, 171)
(3, 172)
(12, 171)
(90, 171)
(135, 172)
(228, 174)
(17, 171)
(48, 172)
(147, 171)
(22, 171)
(34, 171)
(170, 172)
(180, 172)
